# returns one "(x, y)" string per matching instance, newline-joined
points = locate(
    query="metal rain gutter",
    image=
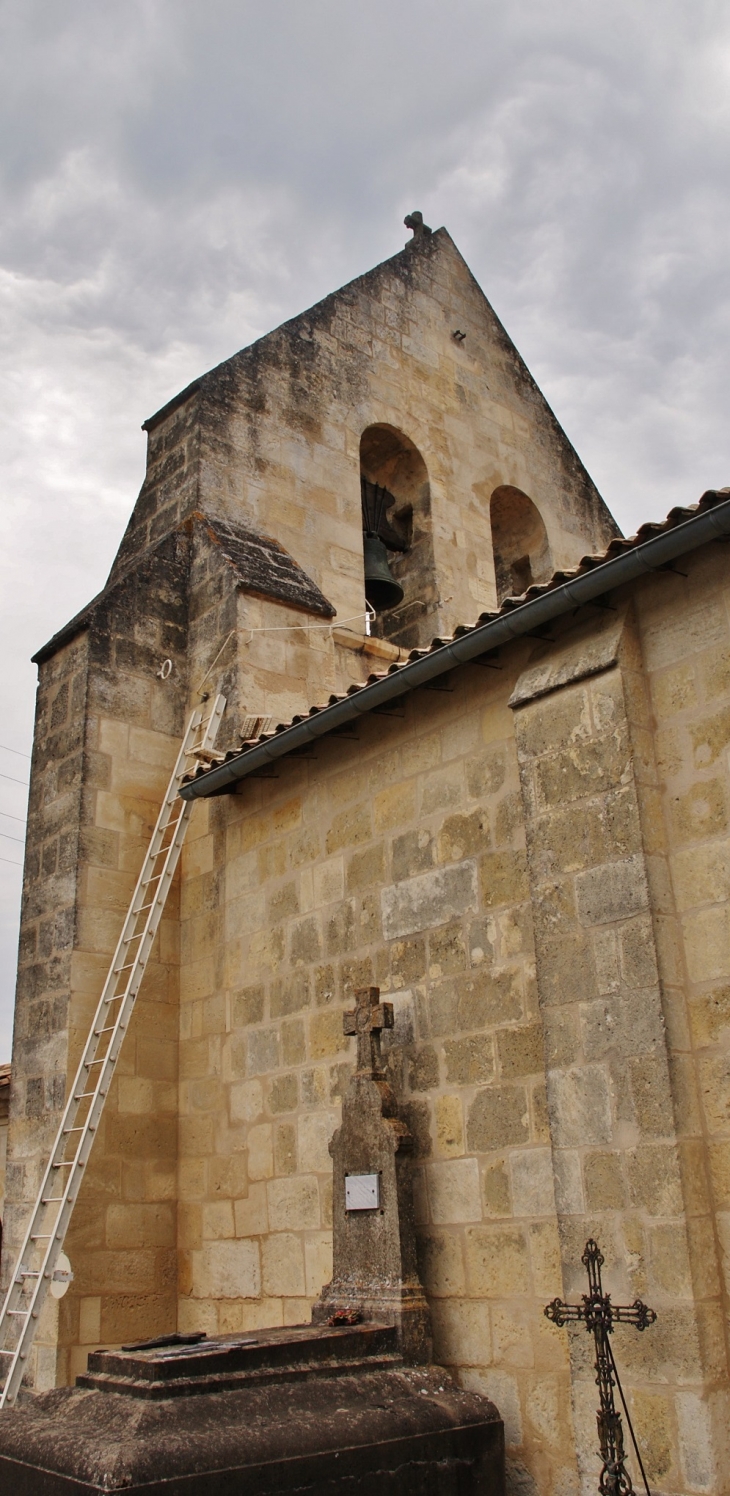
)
(627, 567)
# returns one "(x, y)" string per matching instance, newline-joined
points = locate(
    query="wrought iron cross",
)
(599, 1316)
(367, 1020)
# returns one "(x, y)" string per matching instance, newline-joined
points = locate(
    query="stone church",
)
(499, 791)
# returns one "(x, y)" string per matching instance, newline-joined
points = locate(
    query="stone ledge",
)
(587, 650)
(378, 649)
(374, 1433)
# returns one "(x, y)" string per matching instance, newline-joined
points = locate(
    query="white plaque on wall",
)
(362, 1191)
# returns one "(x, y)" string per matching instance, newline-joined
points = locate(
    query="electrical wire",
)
(13, 780)
(291, 628)
(5, 749)
(628, 1415)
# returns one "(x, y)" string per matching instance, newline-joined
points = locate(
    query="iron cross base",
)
(599, 1316)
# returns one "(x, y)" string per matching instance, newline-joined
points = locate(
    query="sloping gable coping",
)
(262, 567)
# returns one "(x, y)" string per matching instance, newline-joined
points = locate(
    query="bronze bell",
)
(381, 589)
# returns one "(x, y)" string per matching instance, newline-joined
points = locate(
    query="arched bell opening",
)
(519, 542)
(397, 535)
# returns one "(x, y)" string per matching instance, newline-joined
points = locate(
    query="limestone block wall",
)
(108, 730)
(272, 437)
(395, 859)
(622, 1110)
(684, 626)
(170, 488)
(47, 936)
(266, 658)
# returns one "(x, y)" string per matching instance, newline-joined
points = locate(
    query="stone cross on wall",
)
(366, 1021)
(374, 1271)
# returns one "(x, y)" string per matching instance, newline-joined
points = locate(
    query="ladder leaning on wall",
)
(44, 1238)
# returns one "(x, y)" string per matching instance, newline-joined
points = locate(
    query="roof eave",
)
(650, 555)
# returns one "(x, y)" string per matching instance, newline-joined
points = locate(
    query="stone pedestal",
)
(346, 1404)
(316, 1411)
(375, 1274)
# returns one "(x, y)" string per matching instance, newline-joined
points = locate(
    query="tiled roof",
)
(618, 546)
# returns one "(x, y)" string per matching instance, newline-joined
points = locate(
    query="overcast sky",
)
(179, 176)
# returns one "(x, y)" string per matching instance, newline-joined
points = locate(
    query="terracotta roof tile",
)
(616, 546)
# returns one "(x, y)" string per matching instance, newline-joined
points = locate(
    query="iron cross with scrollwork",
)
(599, 1316)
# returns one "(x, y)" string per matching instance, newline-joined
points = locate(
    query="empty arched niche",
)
(520, 542)
(390, 460)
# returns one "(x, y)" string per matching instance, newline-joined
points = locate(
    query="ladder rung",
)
(6, 1353)
(84, 1095)
(21, 1313)
(26, 1273)
(109, 1030)
(52, 1200)
(74, 1129)
(42, 1236)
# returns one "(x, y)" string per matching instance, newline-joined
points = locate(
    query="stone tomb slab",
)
(315, 1410)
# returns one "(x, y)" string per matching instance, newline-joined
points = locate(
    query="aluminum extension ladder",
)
(44, 1238)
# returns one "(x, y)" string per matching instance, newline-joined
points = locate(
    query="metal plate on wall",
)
(362, 1191)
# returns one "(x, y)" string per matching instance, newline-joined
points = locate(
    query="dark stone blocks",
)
(309, 1410)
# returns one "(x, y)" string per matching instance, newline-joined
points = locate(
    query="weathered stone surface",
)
(614, 891)
(587, 650)
(497, 1117)
(428, 900)
(368, 1421)
(374, 1270)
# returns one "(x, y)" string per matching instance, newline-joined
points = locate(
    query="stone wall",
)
(530, 862)
(47, 936)
(401, 859)
(685, 782)
(613, 1129)
(396, 859)
(107, 734)
(271, 438)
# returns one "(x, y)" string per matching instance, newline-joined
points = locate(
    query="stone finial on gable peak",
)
(420, 229)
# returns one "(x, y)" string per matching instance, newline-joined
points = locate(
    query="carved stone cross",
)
(366, 1021)
(599, 1316)
(414, 221)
